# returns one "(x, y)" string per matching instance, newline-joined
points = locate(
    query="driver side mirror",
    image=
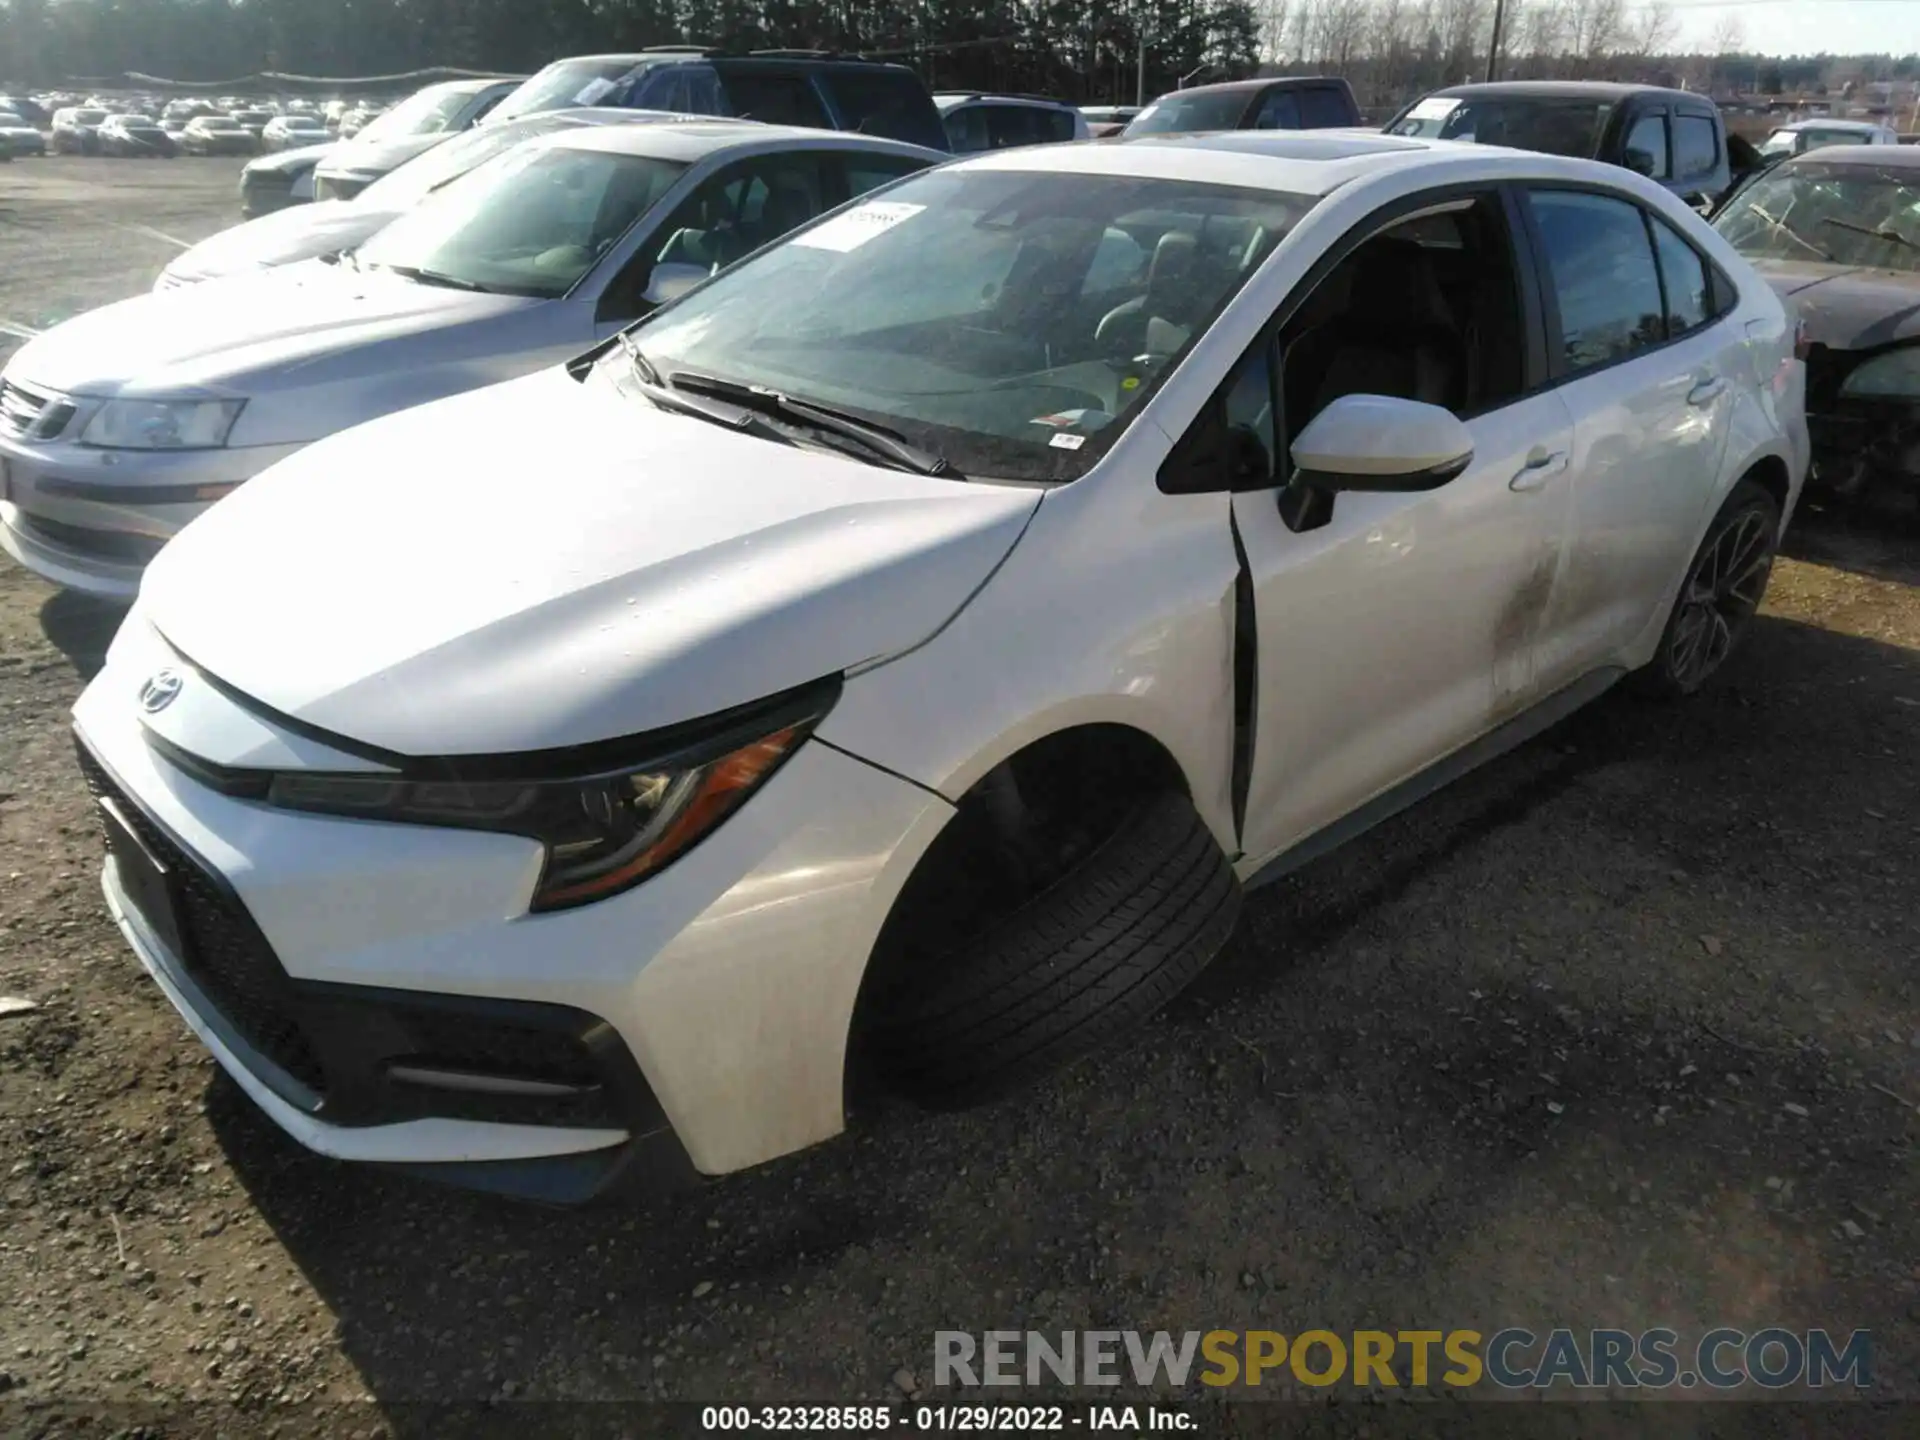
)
(1373, 443)
(669, 281)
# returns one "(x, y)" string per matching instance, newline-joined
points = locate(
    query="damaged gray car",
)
(1836, 232)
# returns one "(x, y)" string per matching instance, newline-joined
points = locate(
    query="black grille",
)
(226, 955)
(27, 412)
(119, 545)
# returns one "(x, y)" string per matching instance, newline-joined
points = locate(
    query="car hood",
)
(377, 157)
(304, 232)
(292, 162)
(1846, 307)
(216, 336)
(548, 563)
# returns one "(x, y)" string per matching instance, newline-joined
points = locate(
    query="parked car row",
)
(695, 617)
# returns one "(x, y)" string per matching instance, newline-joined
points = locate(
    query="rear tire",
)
(1076, 966)
(1725, 583)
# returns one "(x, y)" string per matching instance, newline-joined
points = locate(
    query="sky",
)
(1807, 27)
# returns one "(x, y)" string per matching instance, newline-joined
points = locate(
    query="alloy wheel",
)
(1723, 591)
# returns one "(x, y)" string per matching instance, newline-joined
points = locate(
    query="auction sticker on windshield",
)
(859, 225)
(1434, 107)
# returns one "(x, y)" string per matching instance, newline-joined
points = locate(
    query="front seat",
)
(1396, 336)
(1171, 299)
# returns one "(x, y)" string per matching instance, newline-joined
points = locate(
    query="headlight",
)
(162, 424)
(1887, 377)
(605, 832)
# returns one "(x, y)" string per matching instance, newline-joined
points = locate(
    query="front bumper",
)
(728, 981)
(90, 520)
(1859, 443)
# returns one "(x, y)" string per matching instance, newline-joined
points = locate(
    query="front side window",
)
(1696, 147)
(741, 208)
(1866, 215)
(531, 222)
(1321, 108)
(954, 309)
(1604, 281)
(1279, 111)
(1646, 148)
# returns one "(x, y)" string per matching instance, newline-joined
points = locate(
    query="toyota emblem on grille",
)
(158, 691)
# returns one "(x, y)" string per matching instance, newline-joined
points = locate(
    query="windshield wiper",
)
(1791, 233)
(647, 380)
(875, 439)
(437, 277)
(1880, 232)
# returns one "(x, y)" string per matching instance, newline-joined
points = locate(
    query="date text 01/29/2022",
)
(978, 1419)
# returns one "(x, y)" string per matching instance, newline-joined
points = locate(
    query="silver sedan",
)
(120, 426)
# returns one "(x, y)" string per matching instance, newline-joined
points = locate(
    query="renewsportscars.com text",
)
(1723, 1358)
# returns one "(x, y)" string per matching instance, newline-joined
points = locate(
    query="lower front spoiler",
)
(551, 1164)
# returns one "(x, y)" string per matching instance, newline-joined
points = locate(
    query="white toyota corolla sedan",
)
(890, 662)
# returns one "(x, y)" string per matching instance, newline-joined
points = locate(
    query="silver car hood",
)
(548, 563)
(379, 156)
(302, 232)
(234, 335)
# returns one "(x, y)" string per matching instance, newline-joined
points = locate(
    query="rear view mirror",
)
(1378, 442)
(670, 281)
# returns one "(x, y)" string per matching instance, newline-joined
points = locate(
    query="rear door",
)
(1642, 355)
(1326, 107)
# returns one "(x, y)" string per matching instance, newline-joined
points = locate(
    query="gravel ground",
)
(1621, 1031)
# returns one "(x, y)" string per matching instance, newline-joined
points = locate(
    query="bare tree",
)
(1729, 37)
(1652, 29)
(1272, 16)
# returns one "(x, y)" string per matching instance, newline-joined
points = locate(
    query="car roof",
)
(1221, 87)
(694, 140)
(1877, 157)
(1299, 162)
(1567, 90)
(1821, 122)
(947, 99)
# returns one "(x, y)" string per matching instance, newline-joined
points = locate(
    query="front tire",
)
(1079, 964)
(1725, 584)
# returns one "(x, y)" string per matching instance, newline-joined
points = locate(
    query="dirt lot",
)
(1622, 1031)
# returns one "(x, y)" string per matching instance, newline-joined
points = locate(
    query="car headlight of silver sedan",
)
(162, 424)
(1894, 376)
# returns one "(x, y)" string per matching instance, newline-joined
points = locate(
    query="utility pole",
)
(1493, 45)
(1140, 75)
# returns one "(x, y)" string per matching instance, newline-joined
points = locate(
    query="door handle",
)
(1706, 391)
(1537, 471)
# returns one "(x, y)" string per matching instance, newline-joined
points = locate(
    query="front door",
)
(1406, 625)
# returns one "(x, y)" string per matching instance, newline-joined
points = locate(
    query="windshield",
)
(1010, 322)
(563, 84)
(427, 112)
(1202, 110)
(401, 188)
(1843, 214)
(1551, 127)
(532, 222)
(1798, 142)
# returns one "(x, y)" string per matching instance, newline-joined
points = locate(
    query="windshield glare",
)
(568, 83)
(1011, 322)
(532, 222)
(1551, 127)
(1828, 212)
(427, 112)
(1180, 114)
(401, 188)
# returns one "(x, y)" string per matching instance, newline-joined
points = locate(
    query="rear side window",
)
(1019, 125)
(776, 99)
(890, 103)
(1696, 147)
(1605, 283)
(1279, 110)
(1646, 147)
(869, 172)
(1688, 284)
(1323, 108)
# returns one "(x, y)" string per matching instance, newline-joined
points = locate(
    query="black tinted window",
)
(1280, 110)
(1647, 146)
(1696, 146)
(892, 103)
(1322, 108)
(868, 172)
(775, 99)
(1689, 293)
(1009, 125)
(1252, 439)
(1603, 276)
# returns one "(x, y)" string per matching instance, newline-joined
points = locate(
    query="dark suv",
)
(816, 88)
(1288, 102)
